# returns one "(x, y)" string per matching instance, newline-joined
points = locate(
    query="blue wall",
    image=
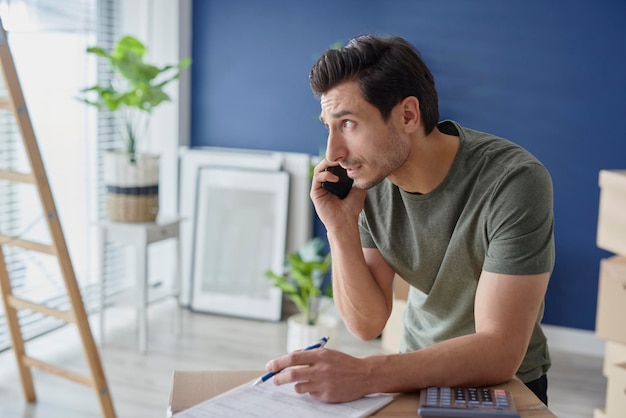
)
(549, 75)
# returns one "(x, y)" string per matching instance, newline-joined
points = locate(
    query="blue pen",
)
(267, 376)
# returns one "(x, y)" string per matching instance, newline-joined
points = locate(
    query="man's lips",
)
(352, 171)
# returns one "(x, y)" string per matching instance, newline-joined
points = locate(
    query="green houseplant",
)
(135, 91)
(303, 282)
(303, 278)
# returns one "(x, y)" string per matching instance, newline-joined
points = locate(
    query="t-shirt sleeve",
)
(364, 231)
(520, 226)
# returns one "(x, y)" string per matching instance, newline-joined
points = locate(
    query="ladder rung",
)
(18, 303)
(27, 245)
(15, 176)
(6, 103)
(59, 371)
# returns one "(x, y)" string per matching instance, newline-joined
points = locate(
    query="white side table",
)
(140, 235)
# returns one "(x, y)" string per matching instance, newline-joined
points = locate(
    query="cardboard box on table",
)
(391, 334)
(610, 327)
(192, 387)
(599, 413)
(611, 215)
(612, 299)
(614, 354)
(616, 392)
(612, 290)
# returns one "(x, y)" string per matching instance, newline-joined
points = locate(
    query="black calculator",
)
(466, 403)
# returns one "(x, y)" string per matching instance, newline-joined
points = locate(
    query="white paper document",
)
(270, 400)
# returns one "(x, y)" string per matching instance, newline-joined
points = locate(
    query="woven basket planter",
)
(132, 187)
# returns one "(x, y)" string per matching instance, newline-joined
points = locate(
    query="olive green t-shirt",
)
(493, 212)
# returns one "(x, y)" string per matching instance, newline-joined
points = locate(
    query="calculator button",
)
(501, 400)
(486, 395)
(445, 399)
(431, 396)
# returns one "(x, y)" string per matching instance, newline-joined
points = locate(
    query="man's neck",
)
(429, 162)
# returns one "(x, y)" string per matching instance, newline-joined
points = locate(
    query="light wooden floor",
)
(140, 384)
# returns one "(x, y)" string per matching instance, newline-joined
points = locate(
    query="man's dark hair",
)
(387, 71)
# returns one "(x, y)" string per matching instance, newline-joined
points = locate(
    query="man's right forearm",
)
(363, 302)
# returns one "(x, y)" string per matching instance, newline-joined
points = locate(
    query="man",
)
(464, 217)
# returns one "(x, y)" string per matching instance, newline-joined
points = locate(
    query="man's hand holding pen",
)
(329, 376)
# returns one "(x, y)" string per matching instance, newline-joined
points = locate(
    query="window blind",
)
(48, 40)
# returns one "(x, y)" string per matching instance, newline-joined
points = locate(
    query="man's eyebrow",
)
(339, 114)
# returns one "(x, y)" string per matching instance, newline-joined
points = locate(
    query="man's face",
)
(358, 137)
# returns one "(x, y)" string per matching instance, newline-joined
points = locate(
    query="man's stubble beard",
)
(391, 156)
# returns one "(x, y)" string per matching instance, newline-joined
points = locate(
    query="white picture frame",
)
(241, 228)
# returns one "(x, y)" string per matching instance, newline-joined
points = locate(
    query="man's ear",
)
(411, 116)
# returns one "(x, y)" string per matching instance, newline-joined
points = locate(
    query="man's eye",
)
(348, 123)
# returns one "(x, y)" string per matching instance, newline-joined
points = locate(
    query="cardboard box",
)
(612, 300)
(614, 353)
(192, 387)
(612, 216)
(393, 329)
(616, 392)
(400, 288)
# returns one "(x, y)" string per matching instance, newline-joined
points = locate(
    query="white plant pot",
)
(132, 187)
(300, 334)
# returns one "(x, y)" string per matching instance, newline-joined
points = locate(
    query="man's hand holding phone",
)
(335, 199)
(343, 186)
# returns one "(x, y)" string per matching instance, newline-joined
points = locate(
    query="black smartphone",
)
(343, 186)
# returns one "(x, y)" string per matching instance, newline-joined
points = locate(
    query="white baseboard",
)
(573, 340)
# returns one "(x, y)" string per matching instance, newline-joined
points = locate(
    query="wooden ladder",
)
(77, 314)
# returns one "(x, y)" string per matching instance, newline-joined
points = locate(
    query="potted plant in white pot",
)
(303, 282)
(137, 88)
